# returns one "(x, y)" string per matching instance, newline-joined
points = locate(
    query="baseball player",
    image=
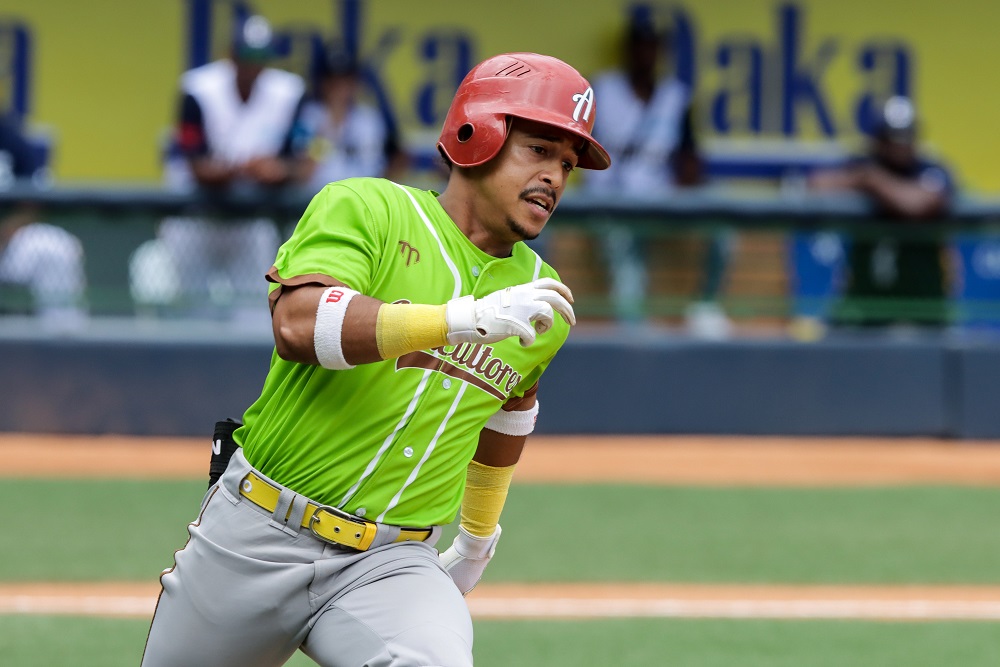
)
(411, 330)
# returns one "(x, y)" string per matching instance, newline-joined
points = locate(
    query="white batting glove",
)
(467, 558)
(522, 311)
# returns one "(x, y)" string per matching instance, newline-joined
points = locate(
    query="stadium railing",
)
(781, 257)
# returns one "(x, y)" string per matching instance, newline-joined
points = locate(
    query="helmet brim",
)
(593, 157)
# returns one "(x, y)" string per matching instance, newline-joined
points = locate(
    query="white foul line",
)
(79, 605)
(735, 608)
(577, 608)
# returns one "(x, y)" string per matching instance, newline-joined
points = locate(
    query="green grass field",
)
(29, 641)
(128, 530)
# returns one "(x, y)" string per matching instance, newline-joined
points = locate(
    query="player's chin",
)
(525, 232)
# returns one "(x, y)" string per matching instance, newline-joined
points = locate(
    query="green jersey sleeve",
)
(336, 237)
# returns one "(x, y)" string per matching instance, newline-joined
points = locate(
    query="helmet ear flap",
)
(476, 140)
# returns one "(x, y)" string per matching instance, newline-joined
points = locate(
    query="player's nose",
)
(554, 178)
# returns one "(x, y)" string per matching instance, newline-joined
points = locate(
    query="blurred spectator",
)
(894, 278)
(239, 129)
(646, 125)
(40, 257)
(348, 137)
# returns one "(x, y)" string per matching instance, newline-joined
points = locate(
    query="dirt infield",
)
(590, 601)
(649, 459)
(661, 460)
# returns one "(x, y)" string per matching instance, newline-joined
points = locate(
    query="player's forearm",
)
(903, 197)
(489, 474)
(832, 180)
(211, 172)
(279, 170)
(488, 480)
(479, 529)
(338, 327)
(486, 490)
(370, 331)
(499, 449)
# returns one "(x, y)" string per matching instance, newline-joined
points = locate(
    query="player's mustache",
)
(540, 190)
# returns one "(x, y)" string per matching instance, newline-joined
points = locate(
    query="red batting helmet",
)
(524, 85)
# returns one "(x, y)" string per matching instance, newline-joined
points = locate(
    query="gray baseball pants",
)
(247, 590)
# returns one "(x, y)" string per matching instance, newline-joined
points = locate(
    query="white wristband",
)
(329, 325)
(515, 422)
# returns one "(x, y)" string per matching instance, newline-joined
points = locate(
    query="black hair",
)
(338, 61)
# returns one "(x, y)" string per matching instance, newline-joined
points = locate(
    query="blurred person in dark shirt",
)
(894, 278)
(348, 137)
(646, 124)
(238, 129)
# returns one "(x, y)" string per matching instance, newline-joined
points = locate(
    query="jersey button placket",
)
(484, 276)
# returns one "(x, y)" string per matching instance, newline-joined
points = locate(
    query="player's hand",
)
(522, 311)
(467, 558)
(266, 170)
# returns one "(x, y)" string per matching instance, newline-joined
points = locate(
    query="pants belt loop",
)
(386, 535)
(279, 518)
(233, 476)
(434, 536)
(297, 512)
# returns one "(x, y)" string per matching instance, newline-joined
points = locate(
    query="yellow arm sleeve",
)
(485, 493)
(401, 328)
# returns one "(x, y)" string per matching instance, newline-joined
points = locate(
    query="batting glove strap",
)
(522, 311)
(467, 558)
(460, 315)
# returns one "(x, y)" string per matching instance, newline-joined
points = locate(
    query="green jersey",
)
(391, 440)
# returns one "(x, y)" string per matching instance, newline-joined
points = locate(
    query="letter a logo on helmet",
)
(522, 85)
(581, 99)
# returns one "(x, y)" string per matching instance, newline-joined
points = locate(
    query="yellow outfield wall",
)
(101, 76)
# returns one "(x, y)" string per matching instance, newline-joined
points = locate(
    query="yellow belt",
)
(327, 523)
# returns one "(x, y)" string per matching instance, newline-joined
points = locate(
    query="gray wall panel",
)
(775, 388)
(140, 389)
(978, 392)
(593, 386)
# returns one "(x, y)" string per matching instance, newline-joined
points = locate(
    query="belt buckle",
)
(341, 514)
